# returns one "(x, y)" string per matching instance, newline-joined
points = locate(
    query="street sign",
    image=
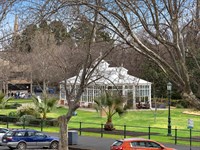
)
(190, 124)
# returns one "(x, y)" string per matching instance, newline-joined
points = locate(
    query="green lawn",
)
(138, 121)
(143, 118)
(131, 118)
(20, 101)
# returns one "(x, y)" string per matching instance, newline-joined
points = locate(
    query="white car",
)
(2, 132)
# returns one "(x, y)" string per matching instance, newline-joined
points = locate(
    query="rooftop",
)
(104, 74)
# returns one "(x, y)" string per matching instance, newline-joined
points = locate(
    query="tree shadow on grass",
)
(193, 139)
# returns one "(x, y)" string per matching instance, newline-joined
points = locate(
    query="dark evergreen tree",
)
(82, 32)
(59, 30)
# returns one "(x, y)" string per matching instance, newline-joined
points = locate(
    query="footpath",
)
(97, 143)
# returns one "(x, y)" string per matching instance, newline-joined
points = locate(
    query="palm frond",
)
(44, 104)
(111, 104)
(4, 100)
(2, 95)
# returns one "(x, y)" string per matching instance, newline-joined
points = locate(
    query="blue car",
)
(3, 131)
(27, 138)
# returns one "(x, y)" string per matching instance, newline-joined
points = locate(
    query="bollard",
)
(175, 135)
(124, 131)
(80, 128)
(149, 133)
(101, 130)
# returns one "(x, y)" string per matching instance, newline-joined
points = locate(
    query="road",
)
(97, 143)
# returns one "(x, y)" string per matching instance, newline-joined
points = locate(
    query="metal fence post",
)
(80, 128)
(175, 135)
(149, 133)
(7, 121)
(41, 124)
(124, 131)
(101, 130)
(190, 139)
(23, 122)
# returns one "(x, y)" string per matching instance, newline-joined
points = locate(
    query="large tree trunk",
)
(192, 99)
(63, 143)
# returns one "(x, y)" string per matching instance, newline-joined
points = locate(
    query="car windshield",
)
(117, 143)
(10, 133)
(3, 130)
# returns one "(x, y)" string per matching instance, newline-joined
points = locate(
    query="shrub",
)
(52, 122)
(179, 106)
(28, 109)
(174, 103)
(3, 118)
(184, 103)
(25, 119)
(15, 105)
(180, 103)
(12, 119)
(35, 122)
(7, 107)
(162, 106)
(13, 114)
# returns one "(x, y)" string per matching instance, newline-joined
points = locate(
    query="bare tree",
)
(4, 73)
(41, 60)
(77, 60)
(162, 24)
(5, 34)
(68, 58)
(6, 7)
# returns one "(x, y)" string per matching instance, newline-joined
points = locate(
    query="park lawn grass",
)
(6, 111)
(19, 101)
(137, 121)
(131, 118)
(140, 121)
(143, 118)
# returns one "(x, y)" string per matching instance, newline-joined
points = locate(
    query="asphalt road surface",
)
(97, 143)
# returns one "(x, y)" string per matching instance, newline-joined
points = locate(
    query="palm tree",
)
(3, 99)
(111, 104)
(44, 105)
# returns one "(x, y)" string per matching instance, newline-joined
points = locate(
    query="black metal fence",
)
(21, 122)
(179, 136)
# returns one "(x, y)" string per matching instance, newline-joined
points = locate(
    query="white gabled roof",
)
(110, 75)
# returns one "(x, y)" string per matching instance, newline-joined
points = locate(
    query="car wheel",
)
(54, 145)
(21, 146)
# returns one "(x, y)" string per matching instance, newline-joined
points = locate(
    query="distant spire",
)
(16, 25)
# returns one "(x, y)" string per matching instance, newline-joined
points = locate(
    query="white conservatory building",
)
(137, 92)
